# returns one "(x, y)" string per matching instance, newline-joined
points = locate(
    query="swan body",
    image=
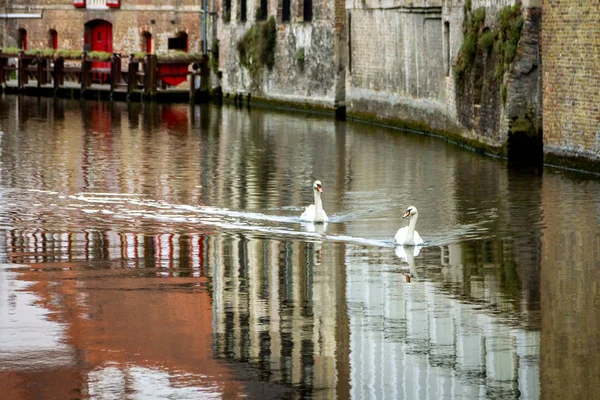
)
(315, 212)
(408, 236)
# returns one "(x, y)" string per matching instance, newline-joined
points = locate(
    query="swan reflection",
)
(408, 254)
(315, 228)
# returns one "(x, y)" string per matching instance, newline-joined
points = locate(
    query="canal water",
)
(155, 251)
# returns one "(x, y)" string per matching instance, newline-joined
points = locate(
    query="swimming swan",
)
(314, 212)
(407, 235)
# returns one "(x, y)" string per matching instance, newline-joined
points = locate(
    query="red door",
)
(148, 43)
(101, 38)
(54, 39)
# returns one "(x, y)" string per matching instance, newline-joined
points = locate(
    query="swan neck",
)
(411, 228)
(318, 203)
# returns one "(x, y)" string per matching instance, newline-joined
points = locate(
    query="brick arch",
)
(98, 36)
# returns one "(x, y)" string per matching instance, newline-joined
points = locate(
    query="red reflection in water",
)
(175, 118)
(124, 320)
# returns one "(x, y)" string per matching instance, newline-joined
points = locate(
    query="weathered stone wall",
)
(311, 79)
(503, 110)
(401, 62)
(571, 84)
(163, 19)
(396, 66)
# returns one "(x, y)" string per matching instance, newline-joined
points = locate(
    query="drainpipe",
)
(213, 15)
(204, 28)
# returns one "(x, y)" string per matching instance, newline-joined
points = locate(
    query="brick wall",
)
(571, 78)
(163, 19)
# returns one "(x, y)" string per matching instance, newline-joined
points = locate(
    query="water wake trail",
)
(133, 205)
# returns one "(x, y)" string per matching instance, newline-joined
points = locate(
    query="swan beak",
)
(320, 189)
(406, 214)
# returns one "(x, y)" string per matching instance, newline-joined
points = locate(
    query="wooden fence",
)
(145, 77)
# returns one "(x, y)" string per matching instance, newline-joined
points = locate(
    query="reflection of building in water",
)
(488, 273)
(436, 338)
(117, 326)
(173, 250)
(278, 309)
(570, 290)
(275, 304)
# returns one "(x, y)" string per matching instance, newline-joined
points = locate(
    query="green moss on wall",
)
(499, 42)
(256, 48)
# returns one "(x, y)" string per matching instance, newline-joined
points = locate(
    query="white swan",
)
(407, 235)
(315, 212)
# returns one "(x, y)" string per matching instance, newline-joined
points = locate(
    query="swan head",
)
(317, 186)
(411, 211)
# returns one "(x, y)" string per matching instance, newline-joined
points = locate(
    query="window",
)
(179, 42)
(263, 10)
(243, 10)
(307, 10)
(285, 12)
(226, 10)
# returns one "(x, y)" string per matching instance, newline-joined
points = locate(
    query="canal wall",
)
(426, 65)
(304, 65)
(403, 63)
(454, 67)
(571, 85)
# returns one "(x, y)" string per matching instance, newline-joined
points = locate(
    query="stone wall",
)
(571, 85)
(402, 58)
(163, 19)
(308, 56)
(396, 66)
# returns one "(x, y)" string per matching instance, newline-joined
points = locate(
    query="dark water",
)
(154, 251)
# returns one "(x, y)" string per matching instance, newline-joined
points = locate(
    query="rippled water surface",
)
(156, 251)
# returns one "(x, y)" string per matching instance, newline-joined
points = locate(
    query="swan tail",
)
(418, 239)
(308, 214)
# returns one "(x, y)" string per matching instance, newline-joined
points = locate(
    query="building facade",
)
(571, 83)
(104, 25)
(393, 61)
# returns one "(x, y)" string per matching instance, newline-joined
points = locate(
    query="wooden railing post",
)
(194, 85)
(3, 72)
(150, 80)
(132, 71)
(21, 73)
(115, 72)
(59, 73)
(40, 71)
(85, 73)
(48, 69)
